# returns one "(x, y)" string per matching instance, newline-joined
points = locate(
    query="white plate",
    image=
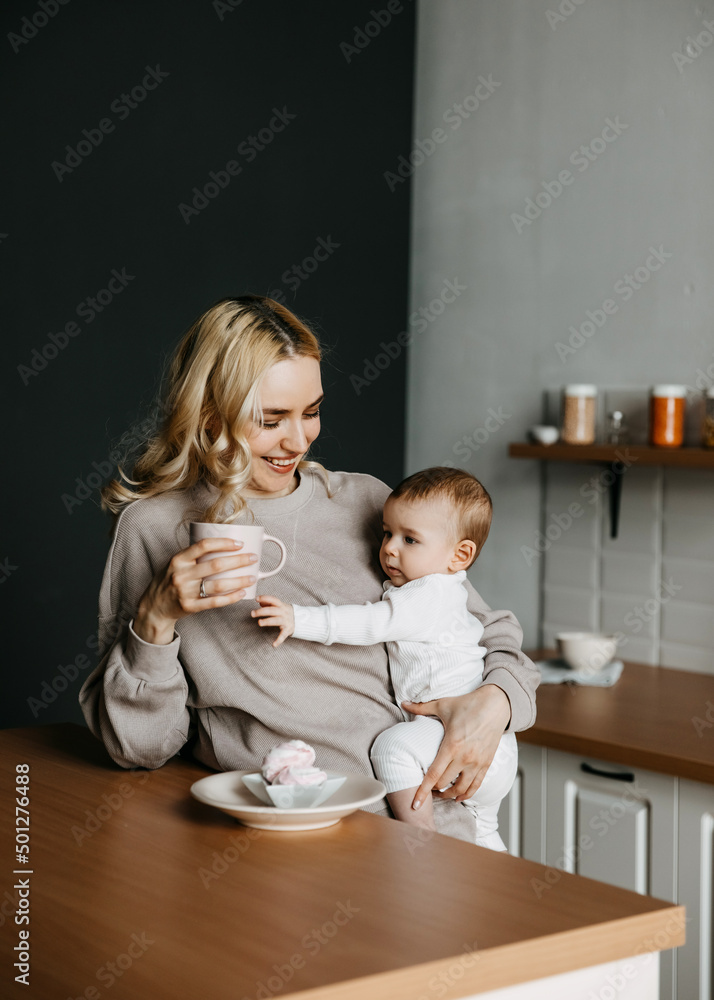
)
(227, 792)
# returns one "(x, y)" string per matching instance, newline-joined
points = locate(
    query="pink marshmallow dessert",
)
(293, 754)
(306, 777)
(289, 779)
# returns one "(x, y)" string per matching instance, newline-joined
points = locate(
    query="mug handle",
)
(272, 572)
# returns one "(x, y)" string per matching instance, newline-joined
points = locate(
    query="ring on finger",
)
(202, 591)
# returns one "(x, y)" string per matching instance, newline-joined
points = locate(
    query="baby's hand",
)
(273, 611)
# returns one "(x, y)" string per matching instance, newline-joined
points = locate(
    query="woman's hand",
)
(473, 723)
(273, 611)
(175, 591)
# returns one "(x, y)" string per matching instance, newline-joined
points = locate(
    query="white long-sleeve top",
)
(432, 640)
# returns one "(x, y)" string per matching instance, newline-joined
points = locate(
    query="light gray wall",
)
(493, 349)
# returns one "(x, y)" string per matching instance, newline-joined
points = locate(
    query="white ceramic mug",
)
(252, 538)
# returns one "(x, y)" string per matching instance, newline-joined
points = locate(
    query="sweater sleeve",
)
(506, 665)
(135, 700)
(404, 613)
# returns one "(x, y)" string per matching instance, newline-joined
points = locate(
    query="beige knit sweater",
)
(219, 686)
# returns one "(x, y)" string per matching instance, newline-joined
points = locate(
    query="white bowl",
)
(586, 651)
(544, 434)
(293, 796)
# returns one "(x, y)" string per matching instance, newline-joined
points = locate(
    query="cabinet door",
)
(612, 823)
(615, 824)
(520, 817)
(695, 960)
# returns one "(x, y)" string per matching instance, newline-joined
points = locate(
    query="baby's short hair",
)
(471, 502)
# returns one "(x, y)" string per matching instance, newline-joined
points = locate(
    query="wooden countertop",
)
(653, 717)
(128, 868)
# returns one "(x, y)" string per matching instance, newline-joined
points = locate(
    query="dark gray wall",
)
(345, 117)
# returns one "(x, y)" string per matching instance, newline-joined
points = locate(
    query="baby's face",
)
(418, 540)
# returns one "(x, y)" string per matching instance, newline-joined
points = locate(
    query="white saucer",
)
(227, 792)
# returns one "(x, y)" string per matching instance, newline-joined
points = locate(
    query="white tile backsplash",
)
(570, 567)
(627, 572)
(632, 615)
(654, 584)
(571, 519)
(640, 519)
(639, 650)
(564, 530)
(694, 576)
(570, 483)
(689, 624)
(689, 538)
(689, 493)
(571, 607)
(683, 657)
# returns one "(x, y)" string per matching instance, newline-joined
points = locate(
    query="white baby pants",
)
(402, 754)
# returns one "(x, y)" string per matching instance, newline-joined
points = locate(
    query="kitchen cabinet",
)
(663, 840)
(617, 831)
(629, 827)
(520, 817)
(615, 824)
(612, 823)
(695, 959)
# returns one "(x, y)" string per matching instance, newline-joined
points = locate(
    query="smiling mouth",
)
(280, 465)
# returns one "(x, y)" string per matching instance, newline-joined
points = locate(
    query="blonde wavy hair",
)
(212, 399)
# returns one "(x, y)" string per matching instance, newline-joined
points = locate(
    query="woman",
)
(183, 662)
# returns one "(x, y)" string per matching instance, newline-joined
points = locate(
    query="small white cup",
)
(252, 537)
(544, 434)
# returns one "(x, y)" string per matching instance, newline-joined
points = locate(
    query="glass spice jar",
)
(667, 415)
(579, 407)
(617, 432)
(708, 427)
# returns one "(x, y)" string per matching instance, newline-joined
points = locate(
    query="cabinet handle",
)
(613, 775)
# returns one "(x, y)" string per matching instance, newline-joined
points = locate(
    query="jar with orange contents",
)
(667, 415)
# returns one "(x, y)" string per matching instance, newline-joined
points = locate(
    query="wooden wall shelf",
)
(619, 458)
(628, 454)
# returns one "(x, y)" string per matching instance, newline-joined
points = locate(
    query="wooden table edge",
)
(519, 962)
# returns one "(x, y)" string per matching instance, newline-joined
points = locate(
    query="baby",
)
(435, 524)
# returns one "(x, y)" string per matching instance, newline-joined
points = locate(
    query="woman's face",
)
(290, 399)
